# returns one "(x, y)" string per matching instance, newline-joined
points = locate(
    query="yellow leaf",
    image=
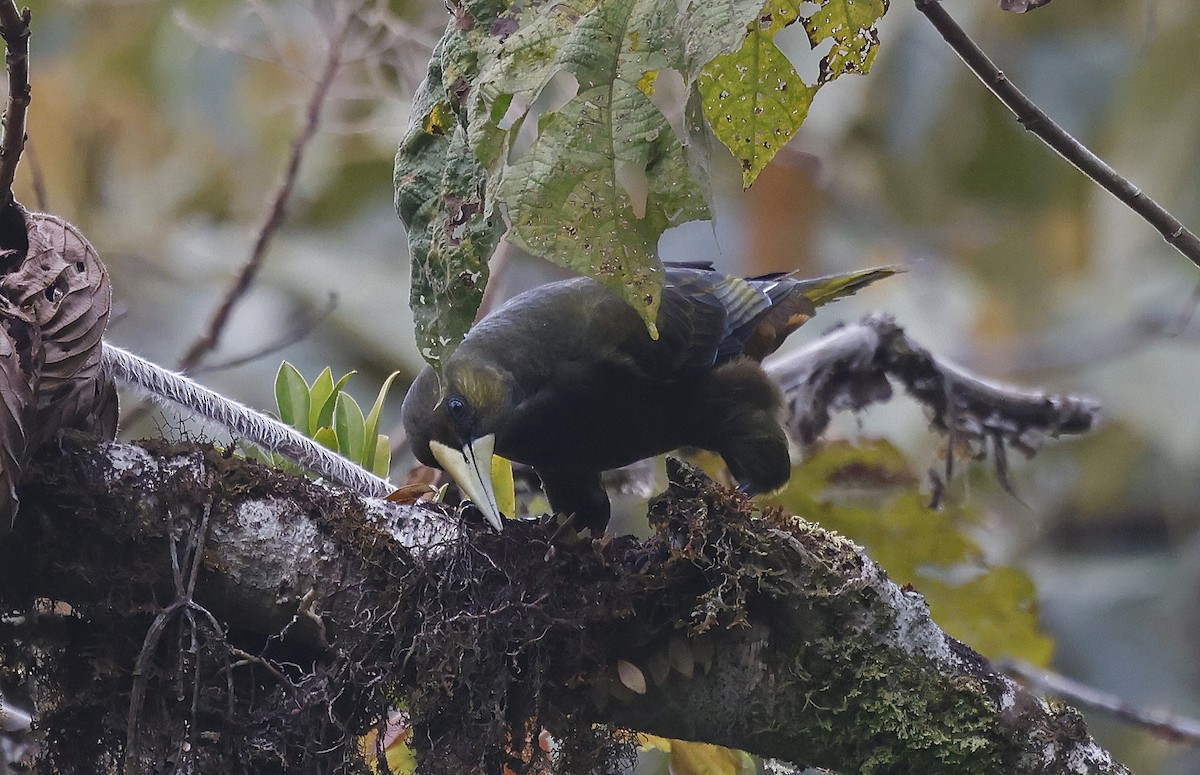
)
(706, 759)
(688, 758)
(502, 481)
(648, 741)
(401, 759)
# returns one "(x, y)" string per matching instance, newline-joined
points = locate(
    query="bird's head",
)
(454, 421)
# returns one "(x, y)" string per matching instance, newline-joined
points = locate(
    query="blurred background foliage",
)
(162, 130)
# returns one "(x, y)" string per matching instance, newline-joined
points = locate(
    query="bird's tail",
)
(793, 303)
(822, 290)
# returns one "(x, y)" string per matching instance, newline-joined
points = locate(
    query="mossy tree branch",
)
(797, 645)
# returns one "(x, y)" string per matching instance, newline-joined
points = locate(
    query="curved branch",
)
(1161, 724)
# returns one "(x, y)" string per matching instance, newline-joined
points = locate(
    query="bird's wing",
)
(706, 317)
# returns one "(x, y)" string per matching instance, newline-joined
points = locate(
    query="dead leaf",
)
(681, 656)
(412, 493)
(55, 299)
(631, 676)
(18, 343)
(64, 283)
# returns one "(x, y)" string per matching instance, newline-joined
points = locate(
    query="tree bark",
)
(220, 616)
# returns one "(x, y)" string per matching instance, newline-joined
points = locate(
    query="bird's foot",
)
(565, 533)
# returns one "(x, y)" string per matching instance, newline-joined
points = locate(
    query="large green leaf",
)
(567, 199)
(605, 174)
(490, 68)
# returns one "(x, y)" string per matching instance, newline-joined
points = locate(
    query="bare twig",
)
(1035, 120)
(277, 210)
(295, 334)
(14, 28)
(183, 602)
(140, 682)
(251, 659)
(1169, 726)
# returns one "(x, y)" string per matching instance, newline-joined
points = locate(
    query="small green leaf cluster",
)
(329, 415)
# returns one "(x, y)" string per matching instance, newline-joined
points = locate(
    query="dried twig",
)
(277, 210)
(295, 334)
(1035, 120)
(14, 28)
(1169, 726)
(853, 366)
(184, 591)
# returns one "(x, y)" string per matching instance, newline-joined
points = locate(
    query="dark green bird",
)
(566, 379)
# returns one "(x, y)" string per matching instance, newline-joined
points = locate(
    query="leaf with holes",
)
(850, 24)
(491, 67)
(603, 181)
(64, 283)
(754, 99)
(440, 189)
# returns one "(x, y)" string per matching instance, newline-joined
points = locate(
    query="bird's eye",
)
(456, 406)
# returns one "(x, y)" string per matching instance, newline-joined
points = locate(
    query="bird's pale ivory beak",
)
(472, 470)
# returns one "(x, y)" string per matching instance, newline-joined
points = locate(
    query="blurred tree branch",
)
(852, 366)
(277, 209)
(1168, 726)
(1035, 120)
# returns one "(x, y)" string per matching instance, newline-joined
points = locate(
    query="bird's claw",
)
(565, 531)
